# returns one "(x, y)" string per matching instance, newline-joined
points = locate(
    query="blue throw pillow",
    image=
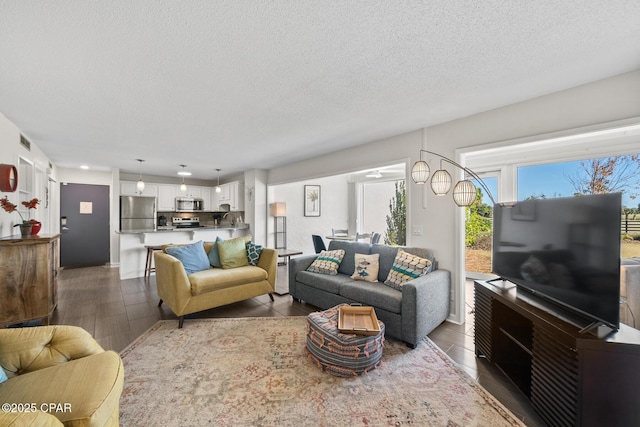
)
(214, 254)
(3, 375)
(253, 253)
(193, 256)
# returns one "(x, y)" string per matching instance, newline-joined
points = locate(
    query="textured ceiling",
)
(254, 84)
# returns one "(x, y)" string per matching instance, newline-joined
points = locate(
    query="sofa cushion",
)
(214, 279)
(233, 253)
(374, 294)
(253, 253)
(331, 284)
(327, 262)
(214, 254)
(366, 267)
(350, 249)
(192, 256)
(406, 267)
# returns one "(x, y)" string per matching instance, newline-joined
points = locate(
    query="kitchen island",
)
(133, 253)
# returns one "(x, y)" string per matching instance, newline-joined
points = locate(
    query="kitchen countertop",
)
(170, 228)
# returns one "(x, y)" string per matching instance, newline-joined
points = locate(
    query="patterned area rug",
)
(254, 372)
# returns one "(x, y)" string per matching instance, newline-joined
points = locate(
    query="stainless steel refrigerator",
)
(137, 213)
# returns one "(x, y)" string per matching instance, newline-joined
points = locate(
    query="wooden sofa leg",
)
(271, 296)
(180, 322)
(160, 303)
(411, 346)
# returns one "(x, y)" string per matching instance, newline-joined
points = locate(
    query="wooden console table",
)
(571, 378)
(28, 270)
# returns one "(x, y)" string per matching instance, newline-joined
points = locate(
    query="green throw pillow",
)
(233, 253)
(214, 255)
(253, 253)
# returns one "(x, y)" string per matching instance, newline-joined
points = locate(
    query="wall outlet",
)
(417, 230)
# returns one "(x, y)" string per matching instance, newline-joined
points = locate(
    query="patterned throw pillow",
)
(327, 262)
(367, 267)
(253, 253)
(406, 267)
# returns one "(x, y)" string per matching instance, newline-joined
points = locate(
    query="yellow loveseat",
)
(58, 375)
(215, 287)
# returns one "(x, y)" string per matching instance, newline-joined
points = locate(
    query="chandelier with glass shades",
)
(464, 192)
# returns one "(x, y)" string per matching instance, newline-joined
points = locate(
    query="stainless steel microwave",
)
(189, 204)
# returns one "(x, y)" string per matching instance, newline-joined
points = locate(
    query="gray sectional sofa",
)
(409, 314)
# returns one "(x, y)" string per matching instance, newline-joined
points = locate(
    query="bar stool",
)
(150, 250)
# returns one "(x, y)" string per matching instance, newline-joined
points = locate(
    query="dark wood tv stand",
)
(571, 378)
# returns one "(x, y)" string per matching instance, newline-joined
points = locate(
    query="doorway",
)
(84, 225)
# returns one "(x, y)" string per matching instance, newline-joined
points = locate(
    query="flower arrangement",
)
(10, 207)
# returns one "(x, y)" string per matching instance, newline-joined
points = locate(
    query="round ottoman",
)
(343, 355)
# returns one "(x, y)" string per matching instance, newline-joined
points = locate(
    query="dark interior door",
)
(84, 225)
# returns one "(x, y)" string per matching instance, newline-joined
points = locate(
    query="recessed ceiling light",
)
(84, 167)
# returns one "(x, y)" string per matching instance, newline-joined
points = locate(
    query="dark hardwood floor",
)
(116, 312)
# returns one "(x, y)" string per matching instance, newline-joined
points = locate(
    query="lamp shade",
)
(420, 172)
(441, 182)
(140, 185)
(278, 209)
(464, 193)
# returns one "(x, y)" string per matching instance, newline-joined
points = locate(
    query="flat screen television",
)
(565, 250)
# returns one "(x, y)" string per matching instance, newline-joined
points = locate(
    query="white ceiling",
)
(241, 84)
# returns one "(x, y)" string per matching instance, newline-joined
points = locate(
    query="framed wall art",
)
(311, 200)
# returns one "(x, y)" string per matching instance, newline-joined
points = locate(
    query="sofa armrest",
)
(268, 261)
(24, 350)
(297, 264)
(172, 282)
(425, 304)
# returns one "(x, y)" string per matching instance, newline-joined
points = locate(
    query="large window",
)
(478, 228)
(591, 176)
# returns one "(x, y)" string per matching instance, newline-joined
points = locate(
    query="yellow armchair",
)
(58, 375)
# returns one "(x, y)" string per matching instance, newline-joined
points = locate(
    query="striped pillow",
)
(327, 262)
(406, 267)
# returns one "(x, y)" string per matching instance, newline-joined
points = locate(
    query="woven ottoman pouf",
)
(343, 355)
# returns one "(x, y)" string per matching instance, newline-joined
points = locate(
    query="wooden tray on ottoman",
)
(359, 320)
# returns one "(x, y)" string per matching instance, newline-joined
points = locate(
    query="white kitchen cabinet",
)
(167, 197)
(129, 188)
(225, 194)
(206, 194)
(237, 196)
(192, 191)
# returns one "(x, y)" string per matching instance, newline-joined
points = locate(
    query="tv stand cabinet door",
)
(555, 378)
(483, 336)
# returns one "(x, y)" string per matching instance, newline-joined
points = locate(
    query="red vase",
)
(35, 228)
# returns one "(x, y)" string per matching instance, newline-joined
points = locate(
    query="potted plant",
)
(28, 226)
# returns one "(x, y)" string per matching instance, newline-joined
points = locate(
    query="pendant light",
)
(140, 184)
(464, 192)
(441, 181)
(218, 189)
(183, 186)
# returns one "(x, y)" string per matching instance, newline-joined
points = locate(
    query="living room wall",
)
(10, 151)
(334, 211)
(602, 101)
